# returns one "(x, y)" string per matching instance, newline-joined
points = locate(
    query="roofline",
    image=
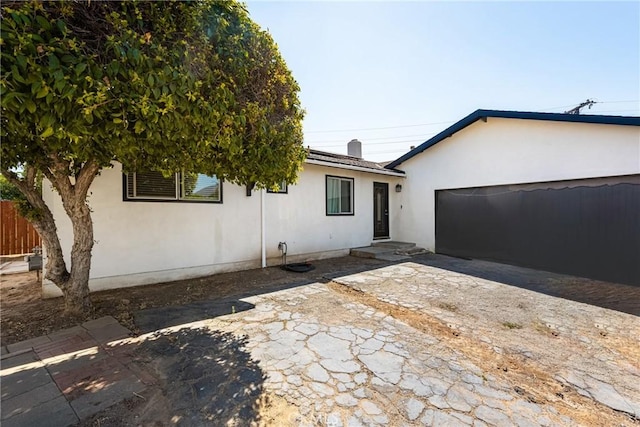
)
(355, 168)
(484, 114)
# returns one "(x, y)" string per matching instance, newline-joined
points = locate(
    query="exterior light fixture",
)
(398, 188)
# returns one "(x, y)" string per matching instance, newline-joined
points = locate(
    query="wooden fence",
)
(17, 235)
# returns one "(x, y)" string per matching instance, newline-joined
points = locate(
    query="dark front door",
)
(380, 210)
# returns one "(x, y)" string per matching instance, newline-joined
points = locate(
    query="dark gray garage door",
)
(588, 228)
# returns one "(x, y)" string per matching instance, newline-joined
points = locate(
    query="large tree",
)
(167, 86)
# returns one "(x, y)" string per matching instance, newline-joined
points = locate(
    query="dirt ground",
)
(25, 315)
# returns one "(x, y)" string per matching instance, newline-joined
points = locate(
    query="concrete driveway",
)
(416, 343)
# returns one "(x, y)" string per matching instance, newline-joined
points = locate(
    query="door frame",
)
(385, 187)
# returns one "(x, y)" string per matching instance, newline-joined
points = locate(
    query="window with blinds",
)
(179, 187)
(151, 185)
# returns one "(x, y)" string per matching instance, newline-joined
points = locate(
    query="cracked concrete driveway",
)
(413, 344)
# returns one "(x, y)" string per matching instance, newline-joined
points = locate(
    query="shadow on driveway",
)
(204, 377)
(229, 302)
(208, 376)
(152, 319)
(613, 296)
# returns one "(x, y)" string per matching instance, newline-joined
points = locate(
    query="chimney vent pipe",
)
(354, 148)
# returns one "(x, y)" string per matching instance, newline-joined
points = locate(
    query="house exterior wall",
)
(509, 151)
(140, 242)
(299, 217)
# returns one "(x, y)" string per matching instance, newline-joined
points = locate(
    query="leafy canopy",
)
(8, 191)
(164, 86)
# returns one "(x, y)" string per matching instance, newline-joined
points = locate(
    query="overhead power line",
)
(618, 102)
(380, 128)
(406, 141)
(368, 152)
(366, 144)
(619, 111)
(388, 152)
(449, 122)
(366, 140)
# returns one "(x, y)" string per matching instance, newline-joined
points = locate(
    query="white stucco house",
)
(149, 230)
(551, 191)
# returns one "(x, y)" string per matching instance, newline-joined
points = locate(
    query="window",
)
(190, 187)
(150, 185)
(196, 186)
(283, 189)
(339, 195)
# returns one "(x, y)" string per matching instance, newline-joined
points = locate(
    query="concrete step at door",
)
(388, 251)
(394, 244)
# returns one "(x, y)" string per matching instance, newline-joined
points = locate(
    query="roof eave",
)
(483, 114)
(388, 172)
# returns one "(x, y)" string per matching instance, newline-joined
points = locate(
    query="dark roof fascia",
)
(483, 114)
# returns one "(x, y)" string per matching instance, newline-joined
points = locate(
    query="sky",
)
(392, 74)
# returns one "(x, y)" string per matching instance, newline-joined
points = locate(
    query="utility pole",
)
(576, 110)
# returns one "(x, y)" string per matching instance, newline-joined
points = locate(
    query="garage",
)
(588, 227)
(553, 192)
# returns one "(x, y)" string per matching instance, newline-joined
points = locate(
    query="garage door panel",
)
(588, 228)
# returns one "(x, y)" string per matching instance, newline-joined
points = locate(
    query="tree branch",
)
(59, 174)
(27, 190)
(56, 269)
(86, 176)
(30, 176)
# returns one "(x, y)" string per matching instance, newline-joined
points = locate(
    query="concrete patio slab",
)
(64, 377)
(54, 413)
(405, 344)
(22, 357)
(22, 403)
(591, 349)
(25, 345)
(23, 381)
(108, 333)
(410, 344)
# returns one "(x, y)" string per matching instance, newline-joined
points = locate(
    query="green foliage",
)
(164, 86)
(8, 191)
(26, 210)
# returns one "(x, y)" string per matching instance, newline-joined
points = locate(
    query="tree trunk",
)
(76, 288)
(74, 284)
(56, 270)
(74, 200)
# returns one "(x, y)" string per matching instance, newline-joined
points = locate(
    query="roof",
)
(348, 162)
(483, 114)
